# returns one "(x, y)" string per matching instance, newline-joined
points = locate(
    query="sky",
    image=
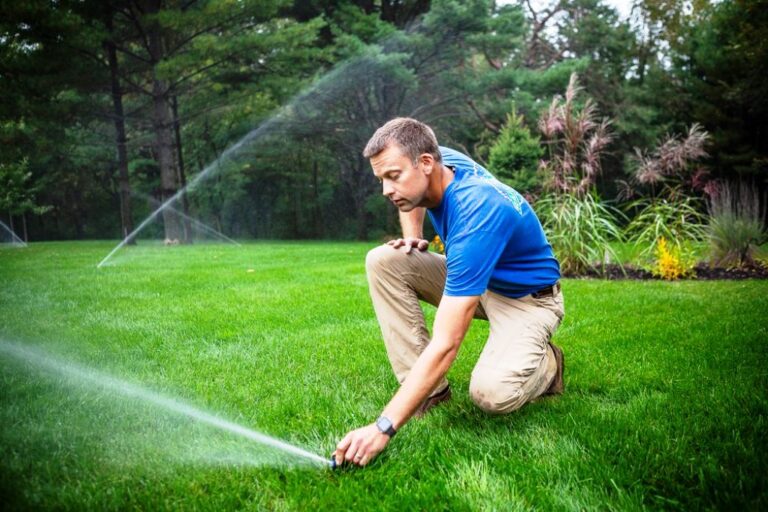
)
(623, 7)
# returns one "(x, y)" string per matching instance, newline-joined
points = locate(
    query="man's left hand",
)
(361, 446)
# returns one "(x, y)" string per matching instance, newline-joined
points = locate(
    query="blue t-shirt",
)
(493, 239)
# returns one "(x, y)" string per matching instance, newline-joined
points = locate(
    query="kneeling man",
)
(498, 267)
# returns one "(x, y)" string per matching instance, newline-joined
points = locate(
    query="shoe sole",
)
(558, 384)
(433, 401)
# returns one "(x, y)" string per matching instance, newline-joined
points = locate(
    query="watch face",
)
(384, 425)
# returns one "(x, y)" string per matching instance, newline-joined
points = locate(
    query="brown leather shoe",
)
(432, 401)
(558, 384)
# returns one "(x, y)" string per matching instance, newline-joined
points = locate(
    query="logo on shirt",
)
(510, 194)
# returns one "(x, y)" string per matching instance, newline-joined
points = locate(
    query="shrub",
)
(678, 220)
(514, 157)
(578, 224)
(736, 225)
(671, 262)
(437, 245)
(670, 178)
(580, 229)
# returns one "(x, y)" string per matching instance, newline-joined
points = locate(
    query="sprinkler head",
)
(332, 463)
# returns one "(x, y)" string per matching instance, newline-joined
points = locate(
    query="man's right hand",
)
(409, 243)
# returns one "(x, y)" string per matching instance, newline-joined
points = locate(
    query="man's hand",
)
(412, 223)
(361, 446)
(409, 243)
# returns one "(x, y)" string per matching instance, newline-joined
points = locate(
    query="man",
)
(498, 266)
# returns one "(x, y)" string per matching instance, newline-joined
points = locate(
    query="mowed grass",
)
(665, 404)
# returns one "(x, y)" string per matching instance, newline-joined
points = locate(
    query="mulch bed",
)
(702, 272)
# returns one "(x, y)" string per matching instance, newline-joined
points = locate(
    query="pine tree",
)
(514, 157)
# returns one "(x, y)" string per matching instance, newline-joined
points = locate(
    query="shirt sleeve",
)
(472, 257)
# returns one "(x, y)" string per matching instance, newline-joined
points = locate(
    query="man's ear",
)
(428, 161)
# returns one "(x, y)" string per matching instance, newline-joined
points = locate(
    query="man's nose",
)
(386, 189)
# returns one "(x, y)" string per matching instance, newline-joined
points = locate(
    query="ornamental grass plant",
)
(575, 140)
(669, 184)
(579, 225)
(736, 227)
(581, 230)
(678, 221)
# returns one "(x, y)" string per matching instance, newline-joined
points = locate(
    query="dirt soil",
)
(702, 272)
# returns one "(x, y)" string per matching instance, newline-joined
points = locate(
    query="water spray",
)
(191, 219)
(15, 240)
(323, 91)
(83, 374)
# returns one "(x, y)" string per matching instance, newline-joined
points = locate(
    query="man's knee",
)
(490, 394)
(381, 258)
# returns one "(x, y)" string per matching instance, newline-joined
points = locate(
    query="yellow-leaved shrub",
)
(437, 245)
(670, 262)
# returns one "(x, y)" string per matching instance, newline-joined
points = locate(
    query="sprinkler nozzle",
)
(332, 463)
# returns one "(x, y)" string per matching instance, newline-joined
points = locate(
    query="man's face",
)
(403, 182)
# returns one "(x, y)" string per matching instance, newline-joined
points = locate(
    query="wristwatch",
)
(385, 426)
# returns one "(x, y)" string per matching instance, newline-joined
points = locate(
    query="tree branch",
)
(488, 124)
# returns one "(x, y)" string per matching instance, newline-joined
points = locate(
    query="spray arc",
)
(82, 375)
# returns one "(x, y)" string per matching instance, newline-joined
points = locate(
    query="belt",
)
(549, 291)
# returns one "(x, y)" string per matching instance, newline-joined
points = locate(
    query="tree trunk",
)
(126, 210)
(318, 216)
(182, 175)
(162, 124)
(24, 226)
(362, 224)
(10, 222)
(393, 221)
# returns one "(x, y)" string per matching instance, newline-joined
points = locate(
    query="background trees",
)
(111, 102)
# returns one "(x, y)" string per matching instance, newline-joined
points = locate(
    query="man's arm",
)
(452, 320)
(412, 224)
(451, 323)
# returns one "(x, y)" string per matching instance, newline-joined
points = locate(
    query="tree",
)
(514, 157)
(722, 71)
(17, 193)
(170, 49)
(110, 46)
(46, 84)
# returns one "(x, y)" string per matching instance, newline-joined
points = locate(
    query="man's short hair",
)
(414, 138)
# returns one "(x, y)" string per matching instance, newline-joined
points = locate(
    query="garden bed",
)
(702, 271)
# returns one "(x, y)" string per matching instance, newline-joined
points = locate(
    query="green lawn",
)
(665, 407)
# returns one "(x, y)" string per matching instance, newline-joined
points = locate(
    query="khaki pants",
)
(516, 366)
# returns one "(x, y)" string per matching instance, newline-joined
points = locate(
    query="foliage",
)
(17, 193)
(670, 169)
(514, 157)
(580, 229)
(671, 263)
(719, 71)
(671, 208)
(677, 220)
(736, 226)
(575, 141)
(437, 245)
(461, 66)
